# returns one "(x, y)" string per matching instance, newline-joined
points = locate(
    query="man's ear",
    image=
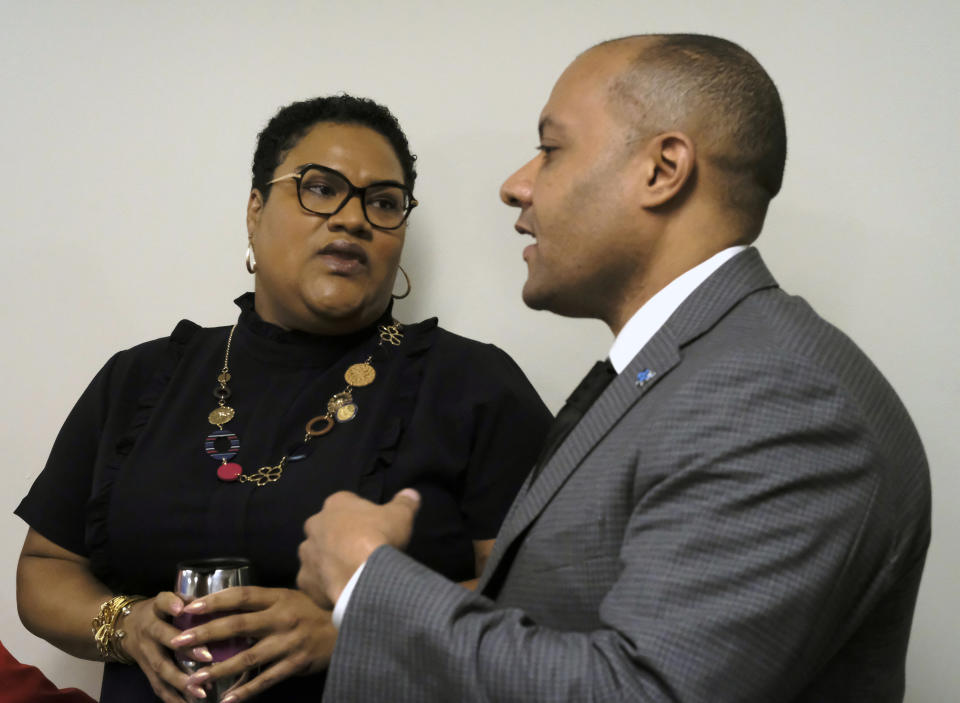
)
(254, 212)
(668, 164)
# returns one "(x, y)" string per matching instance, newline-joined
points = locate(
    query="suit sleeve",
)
(759, 533)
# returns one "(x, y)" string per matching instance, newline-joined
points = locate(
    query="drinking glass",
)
(197, 578)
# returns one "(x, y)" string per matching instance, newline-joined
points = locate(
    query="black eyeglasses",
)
(325, 191)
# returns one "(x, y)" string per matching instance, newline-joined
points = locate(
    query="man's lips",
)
(522, 228)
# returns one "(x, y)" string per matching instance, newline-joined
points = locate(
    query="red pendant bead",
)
(229, 471)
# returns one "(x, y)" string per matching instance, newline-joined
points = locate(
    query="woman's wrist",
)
(106, 628)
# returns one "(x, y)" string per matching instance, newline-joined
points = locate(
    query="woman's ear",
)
(668, 163)
(254, 212)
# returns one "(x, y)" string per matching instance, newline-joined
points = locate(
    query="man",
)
(743, 512)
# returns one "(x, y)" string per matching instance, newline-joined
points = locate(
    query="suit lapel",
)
(602, 416)
(713, 299)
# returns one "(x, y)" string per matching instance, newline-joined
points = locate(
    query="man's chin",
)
(539, 299)
(533, 298)
(554, 301)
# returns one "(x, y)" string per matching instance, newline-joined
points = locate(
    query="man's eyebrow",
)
(548, 122)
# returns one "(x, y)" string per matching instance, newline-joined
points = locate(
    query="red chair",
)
(20, 683)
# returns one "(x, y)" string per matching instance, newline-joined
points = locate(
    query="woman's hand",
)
(294, 636)
(57, 595)
(148, 634)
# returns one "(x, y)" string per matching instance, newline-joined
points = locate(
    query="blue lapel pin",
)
(644, 376)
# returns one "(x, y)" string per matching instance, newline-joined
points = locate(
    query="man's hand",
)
(344, 534)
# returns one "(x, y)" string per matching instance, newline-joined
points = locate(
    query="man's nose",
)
(517, 190)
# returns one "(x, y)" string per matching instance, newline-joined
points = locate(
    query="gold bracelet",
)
(106, 632)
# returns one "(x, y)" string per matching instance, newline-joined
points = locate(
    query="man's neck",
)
(649, 317)
(666, 266)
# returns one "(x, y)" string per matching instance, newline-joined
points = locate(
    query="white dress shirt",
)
(651, 316)
(640, 328)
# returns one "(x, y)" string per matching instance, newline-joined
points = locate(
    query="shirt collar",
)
(651, 316)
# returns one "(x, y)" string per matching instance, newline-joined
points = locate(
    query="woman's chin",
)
(342, 314)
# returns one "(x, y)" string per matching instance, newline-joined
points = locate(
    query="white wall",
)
(127, 130)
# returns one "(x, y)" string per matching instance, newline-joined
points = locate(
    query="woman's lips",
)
(344, 257)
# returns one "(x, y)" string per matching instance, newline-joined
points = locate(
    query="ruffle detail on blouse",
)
(98, 506)
(418, 339)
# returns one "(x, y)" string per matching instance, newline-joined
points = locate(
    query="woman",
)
(221, 442)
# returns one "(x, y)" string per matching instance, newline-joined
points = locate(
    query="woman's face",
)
(328, 274)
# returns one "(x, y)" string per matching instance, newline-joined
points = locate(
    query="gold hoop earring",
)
(409, 287)
(250, 260)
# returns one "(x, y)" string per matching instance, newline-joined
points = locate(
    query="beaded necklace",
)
(223, 444)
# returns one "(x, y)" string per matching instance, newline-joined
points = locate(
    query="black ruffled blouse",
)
(130, 485)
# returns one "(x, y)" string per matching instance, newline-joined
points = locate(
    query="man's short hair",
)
(716, 92)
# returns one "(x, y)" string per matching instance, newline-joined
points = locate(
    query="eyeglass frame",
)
(360, 193)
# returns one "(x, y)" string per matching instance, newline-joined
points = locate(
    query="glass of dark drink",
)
(197, 578)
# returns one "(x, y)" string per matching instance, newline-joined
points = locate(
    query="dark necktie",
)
(577, 405)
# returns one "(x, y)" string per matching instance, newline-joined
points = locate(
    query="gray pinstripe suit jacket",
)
(748, 525)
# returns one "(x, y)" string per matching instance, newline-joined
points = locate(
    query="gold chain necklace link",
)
(265, 474)
(223, 413)
(391, 333)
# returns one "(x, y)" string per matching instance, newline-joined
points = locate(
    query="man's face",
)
(575, 198)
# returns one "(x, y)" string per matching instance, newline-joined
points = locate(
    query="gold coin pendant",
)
(221, 416)
(360, 375)
(345, 413)
(338, 400)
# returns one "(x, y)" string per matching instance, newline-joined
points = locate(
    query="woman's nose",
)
(350, 218)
